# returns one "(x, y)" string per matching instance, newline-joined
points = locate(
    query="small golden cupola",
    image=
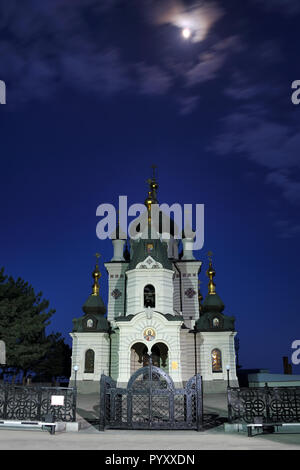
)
(212, 302)
(211, 313)
(94, 309)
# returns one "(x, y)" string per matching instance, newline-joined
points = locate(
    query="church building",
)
(155, 309)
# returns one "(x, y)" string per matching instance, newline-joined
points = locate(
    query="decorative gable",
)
(149, 263)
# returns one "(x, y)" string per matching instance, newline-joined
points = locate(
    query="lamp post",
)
(75, 368)
(228, 369)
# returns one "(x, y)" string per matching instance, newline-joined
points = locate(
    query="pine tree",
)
(24, 317)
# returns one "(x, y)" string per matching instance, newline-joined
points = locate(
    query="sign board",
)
(174, 365)
(2, 353)
(57, 400)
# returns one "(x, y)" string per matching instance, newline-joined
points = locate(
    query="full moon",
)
(186, 33)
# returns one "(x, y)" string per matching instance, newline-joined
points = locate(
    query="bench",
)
(29, 424)
(267, 426)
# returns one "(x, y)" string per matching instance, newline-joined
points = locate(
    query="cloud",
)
(210, 62)
(263, 141)
(288, 7)
(270, 51)
(243, 89)
(99, 72)
(207, 68)
(244, 92)
(187, 104)
(200, 17)
(250, 134)
(286, 228)
(162, 12)
(51, 46)
(283, 180)
(152, 79)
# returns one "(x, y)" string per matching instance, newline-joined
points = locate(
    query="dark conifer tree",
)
(57, 361)
(24, 316)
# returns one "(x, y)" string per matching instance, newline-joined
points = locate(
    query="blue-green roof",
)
(213, 303)
(94, 311)
(141, 251)
(94, 304)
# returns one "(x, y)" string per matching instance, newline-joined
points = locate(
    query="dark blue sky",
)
(99, 91)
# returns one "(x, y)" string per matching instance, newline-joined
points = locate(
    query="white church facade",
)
(154, 309)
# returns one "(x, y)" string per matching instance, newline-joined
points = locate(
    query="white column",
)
(118, 246)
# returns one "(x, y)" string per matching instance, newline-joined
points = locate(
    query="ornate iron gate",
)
(151, 401)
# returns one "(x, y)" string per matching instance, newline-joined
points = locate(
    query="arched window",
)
(216, 360)
(89, 361)
(216, 322)
(149, 296)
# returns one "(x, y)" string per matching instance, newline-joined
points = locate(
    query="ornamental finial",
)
(211, 274)
(152, 196)
(96, 275)
(153, 186)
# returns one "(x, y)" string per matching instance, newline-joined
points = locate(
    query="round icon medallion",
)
(149, 334)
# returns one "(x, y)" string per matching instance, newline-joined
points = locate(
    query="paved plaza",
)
(89, 438)
(145, 440)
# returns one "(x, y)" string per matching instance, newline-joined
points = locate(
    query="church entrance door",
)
(140, 356)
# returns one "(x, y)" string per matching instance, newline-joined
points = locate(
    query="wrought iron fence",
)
(35, 403)
(271, 404)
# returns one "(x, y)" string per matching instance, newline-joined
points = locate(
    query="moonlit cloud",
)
(210, 62)
(52, 45)
(199, 18)
(206, 69)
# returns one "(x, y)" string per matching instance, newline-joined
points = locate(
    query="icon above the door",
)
(149, 334)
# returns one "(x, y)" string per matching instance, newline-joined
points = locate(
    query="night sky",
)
(99, 90)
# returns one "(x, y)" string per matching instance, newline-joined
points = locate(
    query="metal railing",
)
(270, 404)
(36, 403)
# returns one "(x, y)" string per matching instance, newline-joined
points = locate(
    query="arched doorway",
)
(160, 356)
(139, 356)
